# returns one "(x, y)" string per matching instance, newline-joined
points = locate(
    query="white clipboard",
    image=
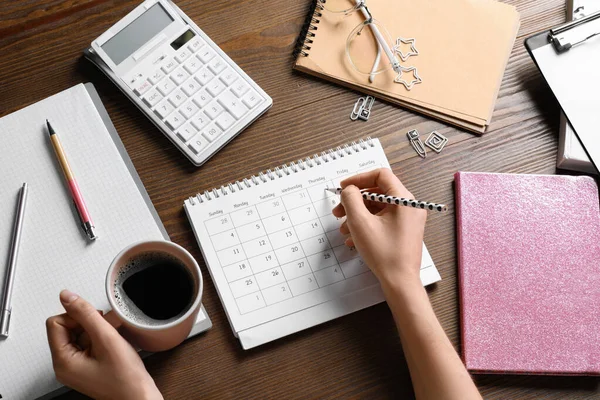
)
(568, 57)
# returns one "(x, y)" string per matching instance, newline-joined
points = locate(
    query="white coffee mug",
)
(154, 337)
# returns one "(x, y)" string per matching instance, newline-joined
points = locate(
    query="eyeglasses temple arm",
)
(375, 64)
(381, 40)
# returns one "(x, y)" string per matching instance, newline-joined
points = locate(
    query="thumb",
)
(86, 315)
(353, 203)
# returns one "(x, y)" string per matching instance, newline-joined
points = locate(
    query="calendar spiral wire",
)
(283, 170)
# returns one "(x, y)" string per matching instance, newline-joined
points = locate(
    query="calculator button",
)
(192, 65)
(152, 97)
(188, 109)
(190, 86)
(228, 77)
(213, 110)
(179, 76)
(204, 76)
(198, 144)
(199, 121)
(165, 87)
(177, 98)
(142, 88)
(233, 104)
(224, 120)
(163, 109)
(217, 65)
(211, 132)
(196, 45)
(215, 87)
(202, 98)
(186, 132)
(174, 120)
(240, 88)
(182, 55)
(251, 99)
(206, 54)
(156, 76)
(169, 66)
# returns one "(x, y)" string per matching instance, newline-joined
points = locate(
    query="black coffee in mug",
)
(154, 288)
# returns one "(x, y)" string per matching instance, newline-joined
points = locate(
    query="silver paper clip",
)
(358, 107)
(398, 48)
(365, 113)
(416, 143)
(436, 141)
(362, 108)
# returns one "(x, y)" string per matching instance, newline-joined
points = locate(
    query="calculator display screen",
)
(137, 33)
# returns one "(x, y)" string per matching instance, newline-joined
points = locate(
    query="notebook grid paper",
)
(54, 252)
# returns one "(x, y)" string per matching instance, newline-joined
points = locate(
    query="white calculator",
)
(188, 87)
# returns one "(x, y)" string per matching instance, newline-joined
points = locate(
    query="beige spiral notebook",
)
(463, 45)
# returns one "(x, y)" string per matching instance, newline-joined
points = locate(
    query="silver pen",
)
(12, 263)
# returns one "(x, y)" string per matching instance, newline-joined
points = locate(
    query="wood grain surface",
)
(358, 356)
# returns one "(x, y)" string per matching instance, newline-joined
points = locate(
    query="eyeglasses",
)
(369, 39)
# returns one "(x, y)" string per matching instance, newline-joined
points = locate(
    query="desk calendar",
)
(274, 249)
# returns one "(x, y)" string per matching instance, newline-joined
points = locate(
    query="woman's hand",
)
(90, 356)
(389, 238)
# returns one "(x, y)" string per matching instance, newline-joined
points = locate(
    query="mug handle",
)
(112, 318)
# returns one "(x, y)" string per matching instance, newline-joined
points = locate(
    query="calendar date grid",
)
(282, 247)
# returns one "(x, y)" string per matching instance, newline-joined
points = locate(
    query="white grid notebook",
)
(54, 252)
(274, 249)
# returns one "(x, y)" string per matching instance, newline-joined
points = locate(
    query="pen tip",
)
(50, 130)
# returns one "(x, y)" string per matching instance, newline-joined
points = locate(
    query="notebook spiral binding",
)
(283, 170)
(307, 34)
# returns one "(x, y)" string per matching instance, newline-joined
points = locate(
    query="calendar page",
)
(272, 245)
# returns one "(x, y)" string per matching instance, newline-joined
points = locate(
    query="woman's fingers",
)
(59, 328)
(60, 337)
(382, 178)
(344, 230)
(373, 206)
(349, 242)
(339, 211)
(87, 316)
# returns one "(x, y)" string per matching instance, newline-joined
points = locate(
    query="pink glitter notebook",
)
(529, 273)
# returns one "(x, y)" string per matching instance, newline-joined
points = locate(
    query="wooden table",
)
(359, 356)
